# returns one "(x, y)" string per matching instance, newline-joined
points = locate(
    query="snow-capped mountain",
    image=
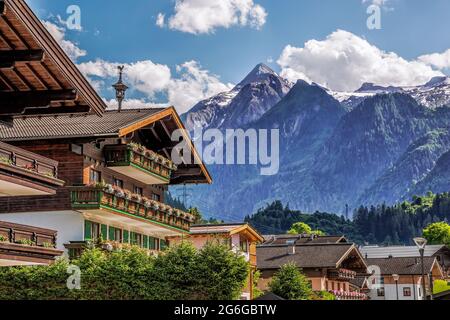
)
(377, 144)
(433, 94)
(261, 89)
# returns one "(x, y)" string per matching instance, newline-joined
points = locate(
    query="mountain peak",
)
(369, 87)
(259, 73)
(436, 81)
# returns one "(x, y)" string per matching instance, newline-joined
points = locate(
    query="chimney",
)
(291, 247)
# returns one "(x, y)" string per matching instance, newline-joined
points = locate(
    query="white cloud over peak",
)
(205, 16)
(59, 33)
(192, 83)
(437, 60)
(344, 61)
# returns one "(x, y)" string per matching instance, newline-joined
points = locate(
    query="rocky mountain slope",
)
(378, 144)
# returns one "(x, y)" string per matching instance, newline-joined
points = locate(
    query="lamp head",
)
(396, 277)
(420, 242)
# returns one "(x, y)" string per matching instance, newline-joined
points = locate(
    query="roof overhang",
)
(352, 249)
(36, 75)
(157, 130)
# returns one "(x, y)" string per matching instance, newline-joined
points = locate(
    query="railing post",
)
(13, 158)
(11, 235)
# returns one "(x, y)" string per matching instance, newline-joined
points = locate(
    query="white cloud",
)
(59, 33)
(205, 16)
(194, 84)
(190, 86)
(438, 60)
(160, 20)
(344, 61)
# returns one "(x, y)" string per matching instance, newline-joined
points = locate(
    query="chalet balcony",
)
(139, 163)
(24, 173)
(342, 274)
(26, 245)
(113, 205)
(348, 295)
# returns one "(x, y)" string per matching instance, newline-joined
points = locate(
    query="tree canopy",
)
(437, 233)
(290, 283)
(180, 273)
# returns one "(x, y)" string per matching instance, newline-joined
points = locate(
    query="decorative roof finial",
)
(120, 88)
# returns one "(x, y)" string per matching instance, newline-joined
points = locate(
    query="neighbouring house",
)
(116, 169)
(440, 252)
(36, 79)
(240, 237)
(400, 278)
(22, 245)
(328, 266)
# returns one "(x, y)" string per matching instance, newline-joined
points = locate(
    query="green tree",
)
(303, 228)
(180, 273)
(300, 228)
(437, 233)
(290, 283)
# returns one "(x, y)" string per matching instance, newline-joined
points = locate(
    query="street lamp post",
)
(396, 277)
(421, 243)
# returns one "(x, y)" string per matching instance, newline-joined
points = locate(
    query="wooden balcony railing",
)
(19, 158)
(27, 235)
(342, 274)
(109, 197)
(137, 155)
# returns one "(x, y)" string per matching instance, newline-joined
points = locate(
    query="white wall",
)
(391, 292)
(69, 224)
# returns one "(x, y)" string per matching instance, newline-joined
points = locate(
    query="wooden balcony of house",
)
(26, 245)
(24, 173)
(114, 205)
(139, 163)
(341, 274)
(348, 295)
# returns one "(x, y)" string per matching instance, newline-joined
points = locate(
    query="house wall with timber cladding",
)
(74, 168)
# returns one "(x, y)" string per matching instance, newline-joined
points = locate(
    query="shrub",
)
(289, 283)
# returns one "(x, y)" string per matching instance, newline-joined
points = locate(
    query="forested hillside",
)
(381, 224)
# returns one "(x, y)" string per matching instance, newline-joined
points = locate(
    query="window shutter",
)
(104, 230)
(87, 230)
(133, 238)
(112, 234)
(145, 242)
(152, 245)
(126, 235)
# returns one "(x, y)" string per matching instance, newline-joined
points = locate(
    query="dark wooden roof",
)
(153, 126)
(66, 126)
(36, 75)
(402, 265)
(306, 256)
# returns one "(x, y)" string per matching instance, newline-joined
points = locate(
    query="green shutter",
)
(125, 236)
(162, 244)
(151, 241)
(104, 231)
(87, 230)
(133, 238)
(112, 234)
(145, 239)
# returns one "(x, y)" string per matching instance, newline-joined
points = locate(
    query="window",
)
(95, 176)
(138, 190)
(156, 197)
(244, 246)
(118, 183)
(380, 292)
(407, 292)
(91, 230)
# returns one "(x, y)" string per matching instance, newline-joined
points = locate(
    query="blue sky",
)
(126, 32)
